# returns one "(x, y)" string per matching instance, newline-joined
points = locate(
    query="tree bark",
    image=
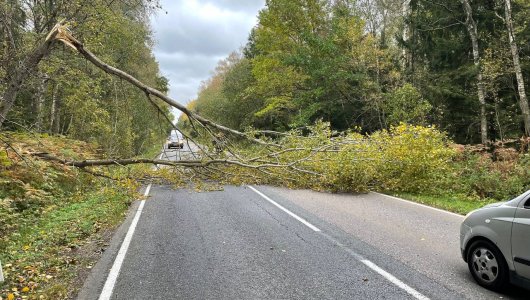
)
(39, 105)
(472, 30)
(405, 10)
(53, 108)
(523, 100)
(182, 163)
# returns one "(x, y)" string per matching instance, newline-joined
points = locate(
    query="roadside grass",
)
(460, 204)
(54, 220)
(41, 260)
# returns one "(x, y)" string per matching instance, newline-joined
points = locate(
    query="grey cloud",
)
(192, 28)
(195, 34)
(187, 65)
(250, 6)
(205, 38)
(183, 93)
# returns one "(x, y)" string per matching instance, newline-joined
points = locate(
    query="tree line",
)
(366, 65)
(46, 89)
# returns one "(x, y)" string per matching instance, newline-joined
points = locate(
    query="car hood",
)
(491, 205)
(496, 204)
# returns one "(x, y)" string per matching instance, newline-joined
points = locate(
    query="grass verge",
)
(459, 204)
(54, 220)
(42, 260)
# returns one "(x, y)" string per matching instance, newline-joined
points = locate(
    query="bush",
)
(478, 175)
(405, 158)
(410, 158)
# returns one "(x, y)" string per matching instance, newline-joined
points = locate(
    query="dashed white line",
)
(394, 280)
(106, 293)
(391, 278)
(313, 227)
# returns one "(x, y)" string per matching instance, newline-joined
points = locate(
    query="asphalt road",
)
(272, 243)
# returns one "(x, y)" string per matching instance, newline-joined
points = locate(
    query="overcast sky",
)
(195, 34)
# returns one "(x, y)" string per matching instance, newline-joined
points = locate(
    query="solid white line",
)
(106, 293)
(313, 227)
(419, 204)
(394, 280)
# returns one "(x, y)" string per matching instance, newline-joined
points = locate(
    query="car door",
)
(521, 239)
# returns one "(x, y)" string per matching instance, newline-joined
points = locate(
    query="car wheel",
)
(487, 265)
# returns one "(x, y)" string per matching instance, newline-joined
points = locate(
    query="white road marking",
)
(391, 278)
(106, 293)
(377, 269)
(419, 204)
(1, 273)
(394, 280)
(313, 227)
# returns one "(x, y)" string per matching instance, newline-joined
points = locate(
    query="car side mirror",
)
(527, 204)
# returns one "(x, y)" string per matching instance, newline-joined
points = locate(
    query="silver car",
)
(495, 243)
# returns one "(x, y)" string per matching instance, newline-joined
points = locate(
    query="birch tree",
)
(523, 100)
(473, 34)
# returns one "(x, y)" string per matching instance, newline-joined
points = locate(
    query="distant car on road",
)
(495, 243)
(175, 140)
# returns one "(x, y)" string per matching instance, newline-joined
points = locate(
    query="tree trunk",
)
(472, 29)
(53, 109)
(405, 34)
(523, 101)
(24, 70)
(41, 90)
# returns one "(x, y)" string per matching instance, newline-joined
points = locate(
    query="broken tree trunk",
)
(22, 72)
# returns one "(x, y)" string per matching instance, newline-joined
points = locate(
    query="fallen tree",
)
(61, 33)
(407, 157)
(204, 158)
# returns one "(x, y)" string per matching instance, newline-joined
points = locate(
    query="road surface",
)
(274, 243)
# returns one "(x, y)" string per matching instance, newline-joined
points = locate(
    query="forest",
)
(462, 66)
(54, 101)
(49, 90)
(421, 99)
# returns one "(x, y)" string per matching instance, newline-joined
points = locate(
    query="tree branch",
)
(61, 33)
